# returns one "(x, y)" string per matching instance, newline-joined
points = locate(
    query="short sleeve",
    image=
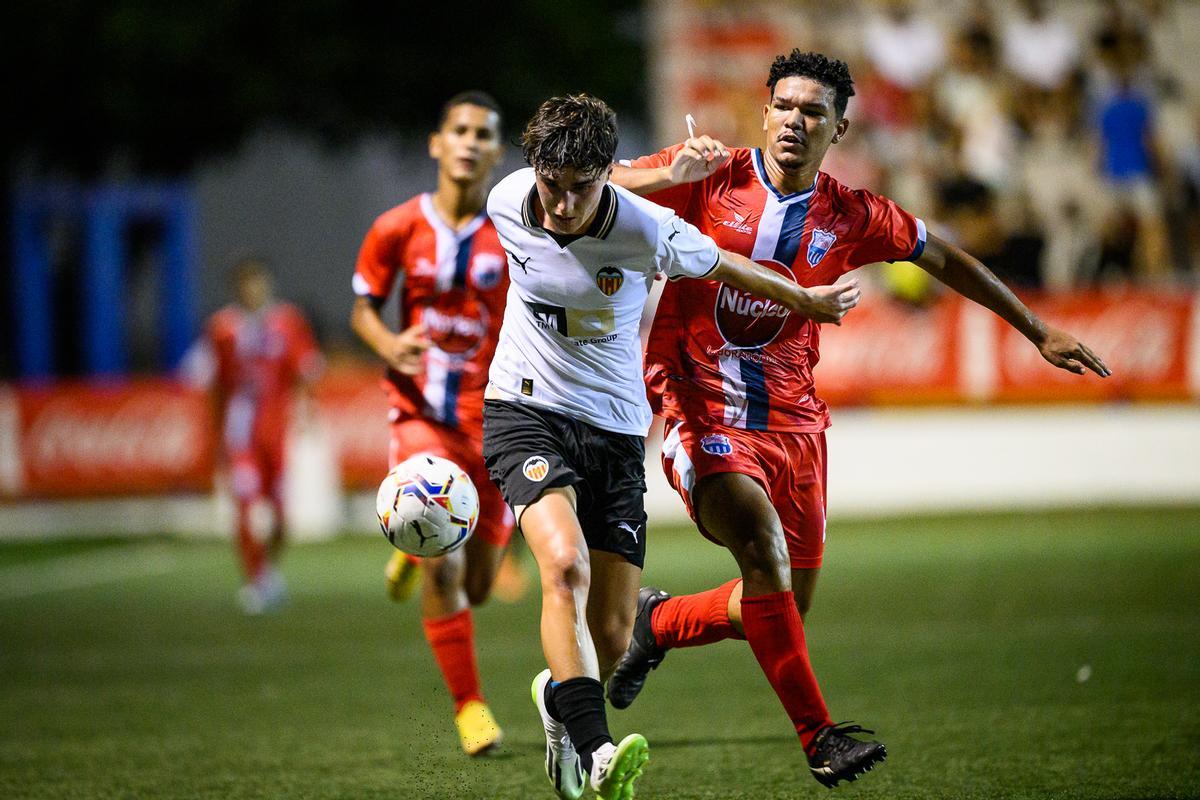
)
(891, 233)
(375, 272)
(676, 198)
(683, 251)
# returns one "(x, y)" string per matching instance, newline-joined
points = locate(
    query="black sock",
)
(579, 704)
(548, 699)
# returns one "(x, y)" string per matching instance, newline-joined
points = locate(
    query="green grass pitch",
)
(959, 639)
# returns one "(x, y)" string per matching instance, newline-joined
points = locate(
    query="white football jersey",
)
(569, 341)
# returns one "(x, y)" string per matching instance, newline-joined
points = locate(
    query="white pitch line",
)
(84, 570)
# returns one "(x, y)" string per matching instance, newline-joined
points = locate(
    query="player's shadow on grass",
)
(668, 743)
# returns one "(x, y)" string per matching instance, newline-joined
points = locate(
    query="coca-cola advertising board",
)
(1148, 339)
(86, 439)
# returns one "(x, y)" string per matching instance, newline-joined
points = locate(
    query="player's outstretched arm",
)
(699, 157)
(966, 275)
(402, 351)
(819, 303)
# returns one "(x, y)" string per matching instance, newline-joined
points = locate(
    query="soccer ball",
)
(427, 506)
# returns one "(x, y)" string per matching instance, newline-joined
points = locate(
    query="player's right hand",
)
(829, 303)
(700, 157)
(407, 348)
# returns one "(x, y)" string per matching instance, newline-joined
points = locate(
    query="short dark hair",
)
(577, 132)
(829, 71)
(247, 265)
(471, 97)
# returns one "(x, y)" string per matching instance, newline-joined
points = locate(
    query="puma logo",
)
(633, 531)
(521, 262)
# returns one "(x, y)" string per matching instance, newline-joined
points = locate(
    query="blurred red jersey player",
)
(440, 253)
(254, 354)
(733, 375)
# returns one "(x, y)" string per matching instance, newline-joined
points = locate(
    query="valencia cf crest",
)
(609, 280)
(819, 245)
(536, 468)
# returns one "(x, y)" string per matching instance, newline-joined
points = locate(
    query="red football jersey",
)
(452, 282)
(255, 361)
(717, 355)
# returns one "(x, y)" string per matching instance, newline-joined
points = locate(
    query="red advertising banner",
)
(354, 408)
(1146, 338)
(127, 437)
(886, 352)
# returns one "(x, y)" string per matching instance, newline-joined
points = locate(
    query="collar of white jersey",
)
(761, 171)
(602, 223)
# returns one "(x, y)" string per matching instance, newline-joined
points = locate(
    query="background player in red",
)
(253, 354)
(442, 253)
(732, 374)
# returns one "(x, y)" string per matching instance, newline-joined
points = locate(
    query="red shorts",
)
(791, 467)
(412, 435)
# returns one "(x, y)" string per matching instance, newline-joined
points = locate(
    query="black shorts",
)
(528, 450)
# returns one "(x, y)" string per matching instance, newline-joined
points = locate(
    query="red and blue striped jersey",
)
(452, 282)
(717, 355)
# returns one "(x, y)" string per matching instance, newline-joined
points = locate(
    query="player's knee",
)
(566, 569)
(445, 575)
(763, 556)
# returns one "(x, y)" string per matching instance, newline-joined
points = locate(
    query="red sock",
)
(453, 641)
(691, 620)
(776, 635)
(251, 551)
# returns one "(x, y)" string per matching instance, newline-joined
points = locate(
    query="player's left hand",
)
(1066, 352)
(700, 157)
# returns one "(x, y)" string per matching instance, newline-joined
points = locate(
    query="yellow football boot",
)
(477, 729)
(403, 574)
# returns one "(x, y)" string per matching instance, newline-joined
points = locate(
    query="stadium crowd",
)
(1059, 142)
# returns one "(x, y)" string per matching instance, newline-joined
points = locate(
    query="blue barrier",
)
(105, 214)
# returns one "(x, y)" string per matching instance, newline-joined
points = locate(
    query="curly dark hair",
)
(577, 132)
(829, 71)
(471, 97)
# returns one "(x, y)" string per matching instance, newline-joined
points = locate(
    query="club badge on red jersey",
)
(819, 245)
(716, 444)
(486, 270)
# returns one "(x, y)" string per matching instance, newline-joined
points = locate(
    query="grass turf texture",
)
(958, 638)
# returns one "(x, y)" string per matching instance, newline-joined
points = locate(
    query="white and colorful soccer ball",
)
(427, 506)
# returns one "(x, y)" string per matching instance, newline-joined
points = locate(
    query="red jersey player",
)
(442, 253)
(732, 374)
(253, 354)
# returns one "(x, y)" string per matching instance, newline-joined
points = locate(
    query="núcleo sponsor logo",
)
(745, 320)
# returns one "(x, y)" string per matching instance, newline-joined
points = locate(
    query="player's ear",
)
(435, 145)
(843, 125)
(766, 113)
